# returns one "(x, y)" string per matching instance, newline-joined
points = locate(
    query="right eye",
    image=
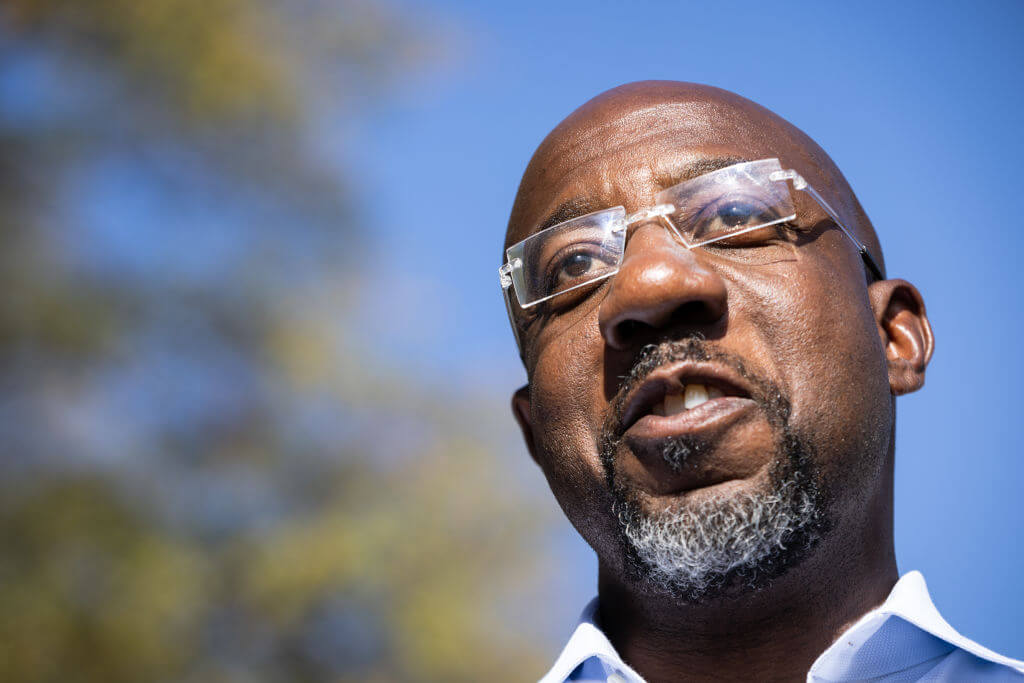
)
(577, 264)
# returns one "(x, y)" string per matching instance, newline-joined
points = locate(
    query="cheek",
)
(568, 412)
(564, 400)
(827, 352)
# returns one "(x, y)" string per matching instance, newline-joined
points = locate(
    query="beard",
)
(727, 544)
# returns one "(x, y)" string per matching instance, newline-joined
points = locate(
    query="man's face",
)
(696, 385)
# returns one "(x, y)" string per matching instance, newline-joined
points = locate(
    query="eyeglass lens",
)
(735, 203)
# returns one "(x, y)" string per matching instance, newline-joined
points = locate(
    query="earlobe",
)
(905, 333)
(521, 410)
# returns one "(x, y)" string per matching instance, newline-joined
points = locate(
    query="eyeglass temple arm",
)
(801, 184)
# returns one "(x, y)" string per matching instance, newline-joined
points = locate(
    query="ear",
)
(905, 332)
(521, 409)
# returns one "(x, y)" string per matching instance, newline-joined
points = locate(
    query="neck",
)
(772, 634)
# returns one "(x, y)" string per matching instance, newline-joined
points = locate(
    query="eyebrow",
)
(566, 211)
(680, 174)
(581, 206)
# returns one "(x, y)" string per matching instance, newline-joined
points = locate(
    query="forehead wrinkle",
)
(584, 144)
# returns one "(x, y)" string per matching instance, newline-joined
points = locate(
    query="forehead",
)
(623, 150)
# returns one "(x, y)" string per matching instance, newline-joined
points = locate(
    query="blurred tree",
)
(205, 475)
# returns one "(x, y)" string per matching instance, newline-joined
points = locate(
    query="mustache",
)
(653, 356)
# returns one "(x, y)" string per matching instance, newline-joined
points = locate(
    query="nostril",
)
(628, 331)
(696, 313)
(633, 331)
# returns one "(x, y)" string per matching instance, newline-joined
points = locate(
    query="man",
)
(713, 355)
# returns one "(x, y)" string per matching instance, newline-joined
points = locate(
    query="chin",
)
(727, 539)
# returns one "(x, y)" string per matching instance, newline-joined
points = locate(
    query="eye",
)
(732, 214)
(578, 264)
(737, 219)
(736, 214)
(753, 238)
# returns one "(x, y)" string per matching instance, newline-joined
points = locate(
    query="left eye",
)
(731, 215)
(736, 214)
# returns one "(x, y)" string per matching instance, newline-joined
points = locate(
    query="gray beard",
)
(723, 545)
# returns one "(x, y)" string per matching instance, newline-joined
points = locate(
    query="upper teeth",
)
(692, 396)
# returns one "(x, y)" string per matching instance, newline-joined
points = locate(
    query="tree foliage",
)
(205, 474)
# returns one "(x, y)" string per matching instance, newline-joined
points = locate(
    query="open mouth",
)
(687, 387)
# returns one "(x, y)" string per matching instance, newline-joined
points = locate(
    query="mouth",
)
(685, 398)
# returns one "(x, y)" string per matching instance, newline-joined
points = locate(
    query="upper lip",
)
(675, 377)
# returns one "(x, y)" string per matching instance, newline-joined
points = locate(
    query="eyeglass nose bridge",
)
(662, 211)
(656, 211)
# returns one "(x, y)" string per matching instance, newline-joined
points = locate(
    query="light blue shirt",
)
(904, 639)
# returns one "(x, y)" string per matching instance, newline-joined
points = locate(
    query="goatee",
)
(726, 544)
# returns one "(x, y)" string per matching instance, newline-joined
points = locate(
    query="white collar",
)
(587, 641)
(909, 600)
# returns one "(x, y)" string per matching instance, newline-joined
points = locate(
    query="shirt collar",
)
(588, 641)
(865, 648)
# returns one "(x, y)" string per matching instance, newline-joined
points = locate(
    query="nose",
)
(660, 284)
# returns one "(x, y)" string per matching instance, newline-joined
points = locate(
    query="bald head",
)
(646, 130)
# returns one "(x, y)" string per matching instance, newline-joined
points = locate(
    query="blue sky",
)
(918, 103)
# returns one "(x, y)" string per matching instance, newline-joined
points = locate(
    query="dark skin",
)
(809, 319)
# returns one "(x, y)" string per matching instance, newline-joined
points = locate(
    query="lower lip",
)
(706, 418)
